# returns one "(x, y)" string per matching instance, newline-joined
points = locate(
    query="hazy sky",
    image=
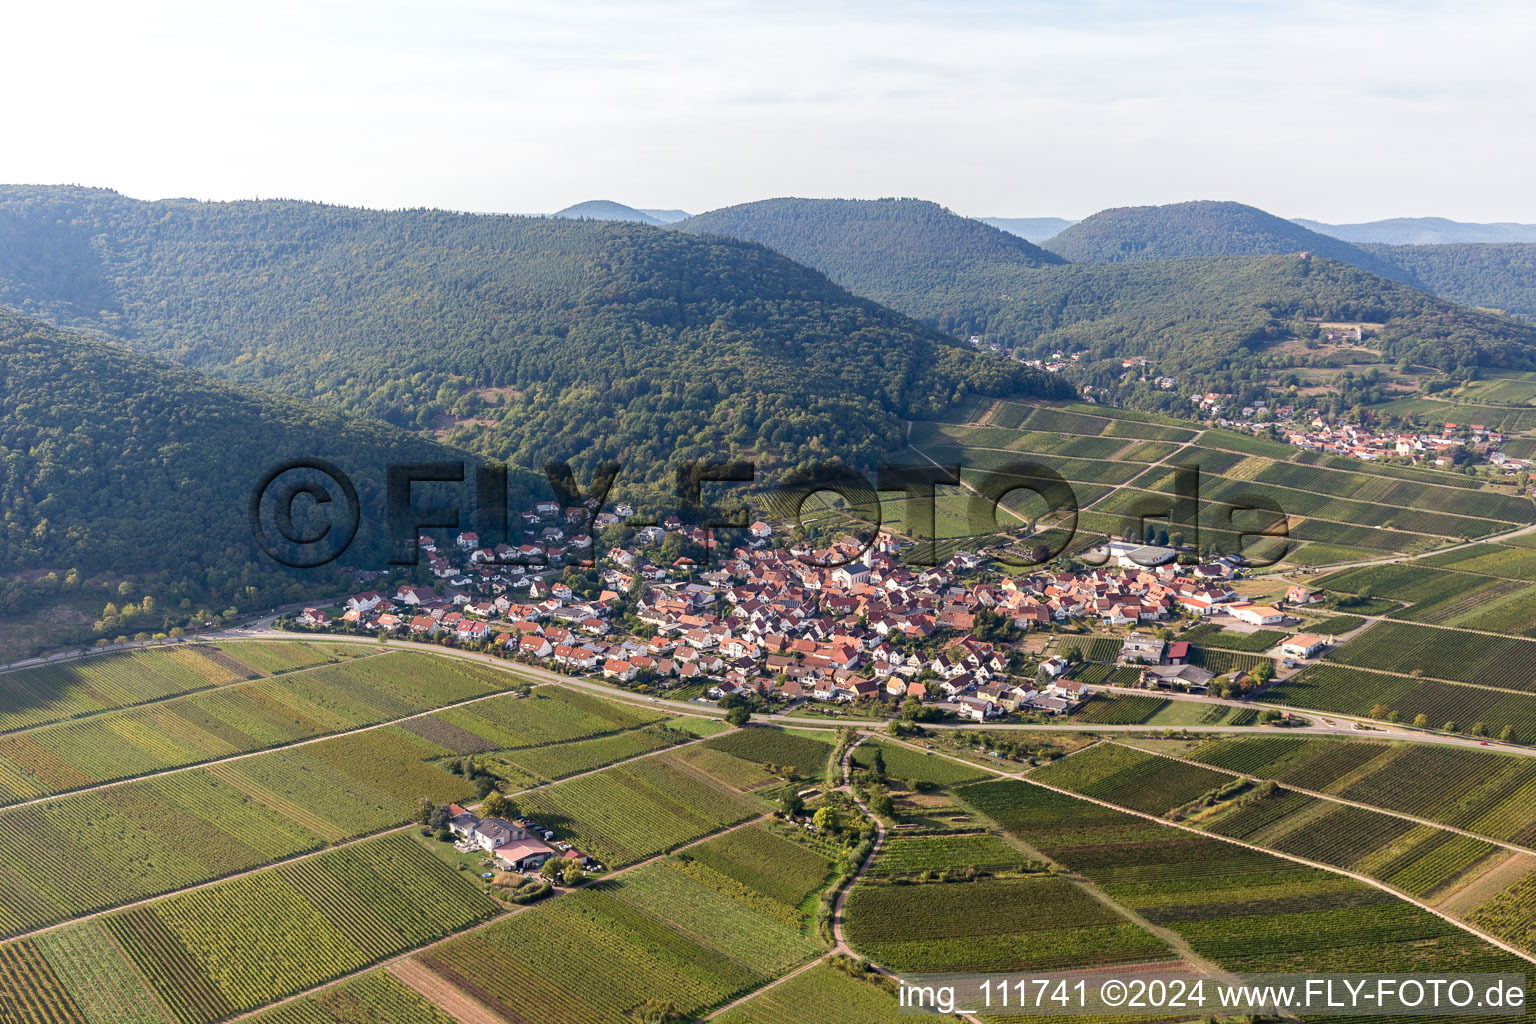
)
(1334, 110)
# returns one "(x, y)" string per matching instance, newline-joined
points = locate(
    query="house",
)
(1178, 652)
(1299, 594)
(365, 602)
(618, 668)
(313, 617)
(414, 595)
(1055, 666)
(978, 710)
(1303, 645)
(534, 645)
(462, 822)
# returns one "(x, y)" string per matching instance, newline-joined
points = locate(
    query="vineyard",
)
(1119, 709)
(1492, 559)
(159, 834)
(241, 943)
(780, 868)
(347, 786)
(1243, 909)
(1489, 793)
(768, 745)
(636, 810)
(905, 856)
(105, 682)
(1349, 691)
(822, 994)
(600, 954)
(992, 924)
(915, 766)
(235, 719)
(552, 715)
(558, 760)
(736, 772)
(1443, 653)
(373, 998)
(1141, 781)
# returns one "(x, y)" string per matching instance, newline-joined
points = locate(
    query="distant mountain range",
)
(1423, 231)
(606, 209)
(1034, 229)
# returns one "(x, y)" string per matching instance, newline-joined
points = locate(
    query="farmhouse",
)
(1167, 677)
(512, 846)
(1303, 645)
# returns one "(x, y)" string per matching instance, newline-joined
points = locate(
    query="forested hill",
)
(1217, 322)
(1201, 229)
(863, 244)
(1492, 275)
(912, 255)
(530, 338)
(1215, 317)
(119, 464)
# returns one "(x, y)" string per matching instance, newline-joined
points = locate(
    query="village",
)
(786, 628)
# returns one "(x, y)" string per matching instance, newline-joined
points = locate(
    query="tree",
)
(1421, 721)
(439, 819)
(827, 820)
(1507, 734)
(1378, 711)
(495, 805)
(1479, 729)
(792, 804)
(879, 763)
(739, 715)
(424, 811)
(882, 804)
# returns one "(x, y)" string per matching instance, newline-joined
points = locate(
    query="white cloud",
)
(1335, 111)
